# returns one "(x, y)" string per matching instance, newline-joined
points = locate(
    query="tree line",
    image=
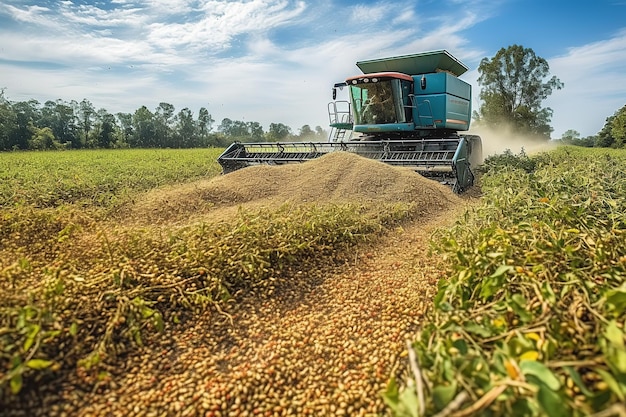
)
(612, 135)
(30, 125)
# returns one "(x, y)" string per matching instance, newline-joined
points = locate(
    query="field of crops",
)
(530, 320)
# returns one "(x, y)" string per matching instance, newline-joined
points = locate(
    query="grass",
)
(96, 178)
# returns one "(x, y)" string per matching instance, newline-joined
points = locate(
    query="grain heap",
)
(335, 178)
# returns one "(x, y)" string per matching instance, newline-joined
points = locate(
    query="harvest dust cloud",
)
(496, 141)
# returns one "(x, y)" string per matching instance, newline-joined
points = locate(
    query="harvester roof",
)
(421, 63)
(397, 75)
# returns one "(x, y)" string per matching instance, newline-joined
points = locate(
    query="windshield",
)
(379, 102)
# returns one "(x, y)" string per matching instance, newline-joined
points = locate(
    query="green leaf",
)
(551, 402)
(50, 335)
(73, 329)
(391, 393)
(443, 394)
(617, 298)
(157, 320)
(103, 375)
(146, 312)
(408, 403)
(542, 372)
(461, 345)
(502, 269)
(477, 329)
(30, 339)
(137, 337)
(614, 334)
(578, 381)
(612, 383)
(38, 364)
(438, 297)
(547, 292)
(519, 300)
(519, 307)
(16, 383)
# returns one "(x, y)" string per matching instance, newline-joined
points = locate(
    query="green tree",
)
(106, 129)
(185, 131)
(164, 125)
(85, 120)
(42, 138)
(256, 131)
(125, 133)
(570, 135)
(306, 133)
(613, 133)
(226, 127)
(144, 131)
(8, 122)
(240, 130)
(278, 132)
(513, 89)
(618, 127)
(320, 133)
(605, 139)
(205, 122)
(26, 113)
(60, 117)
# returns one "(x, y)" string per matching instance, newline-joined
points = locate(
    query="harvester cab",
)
(403, 111)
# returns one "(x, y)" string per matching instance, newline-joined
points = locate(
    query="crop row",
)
(530, 320)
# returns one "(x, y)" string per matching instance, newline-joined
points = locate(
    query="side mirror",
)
(334, 93)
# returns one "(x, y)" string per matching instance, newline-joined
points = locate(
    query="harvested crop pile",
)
(335, 178)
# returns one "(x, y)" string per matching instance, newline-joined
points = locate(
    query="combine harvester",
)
(403, 111)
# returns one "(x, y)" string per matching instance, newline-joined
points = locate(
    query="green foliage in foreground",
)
(531, 319)
(99, 178)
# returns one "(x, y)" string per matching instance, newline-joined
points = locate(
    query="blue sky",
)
(276, 60)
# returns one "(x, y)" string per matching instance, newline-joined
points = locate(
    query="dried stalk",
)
(618, 410)
(419, 382)
(482, 402)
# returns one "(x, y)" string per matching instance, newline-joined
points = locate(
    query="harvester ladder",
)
(340, 120)
(337, 134)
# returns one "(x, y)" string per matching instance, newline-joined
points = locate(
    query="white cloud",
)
(29, 14)
(594, 88)
(407, 16)
(219, 22)
(368, 15)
